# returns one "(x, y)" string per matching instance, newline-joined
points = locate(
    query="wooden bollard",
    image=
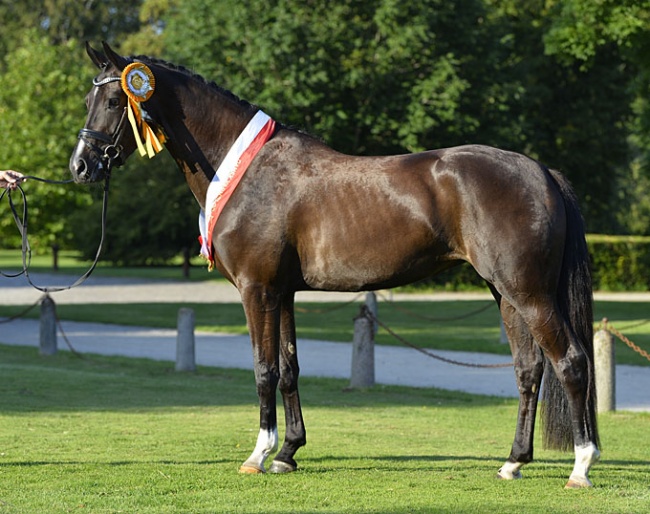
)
(363, 351)
(185, 358)
(47, 345)
(605, 365)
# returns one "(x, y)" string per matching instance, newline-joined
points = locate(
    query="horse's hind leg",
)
(529, 367)
(572, 366)
(295, 435)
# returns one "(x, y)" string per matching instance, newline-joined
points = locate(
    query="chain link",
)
(629, 343)
(367, 313)
(57, 320)
(21, 313)
(434, 319)
(605, 325)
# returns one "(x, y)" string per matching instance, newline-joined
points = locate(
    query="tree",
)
(369, 77)
(41, 112)
(41, 107)
(45, 77)
(581, 32)
(582, 27)
(571, 118)
(66, 20)
(565, 82)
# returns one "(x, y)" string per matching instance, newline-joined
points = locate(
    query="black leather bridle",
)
(111, 153)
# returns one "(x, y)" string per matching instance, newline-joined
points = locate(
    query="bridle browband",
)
(112, 152)
(105, 81)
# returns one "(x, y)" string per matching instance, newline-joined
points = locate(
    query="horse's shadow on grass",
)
(327, 465)
(394, 461)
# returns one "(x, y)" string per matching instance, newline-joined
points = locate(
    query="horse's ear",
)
(96, 56)
(119, 61)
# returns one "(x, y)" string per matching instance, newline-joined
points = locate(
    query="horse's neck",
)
(199, 141)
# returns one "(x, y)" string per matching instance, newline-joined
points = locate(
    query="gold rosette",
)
(138, 82)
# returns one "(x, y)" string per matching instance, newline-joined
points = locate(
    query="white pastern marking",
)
(510, 470)
(267, 442)
(586, 456)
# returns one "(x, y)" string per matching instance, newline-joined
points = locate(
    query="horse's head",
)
(107, 138)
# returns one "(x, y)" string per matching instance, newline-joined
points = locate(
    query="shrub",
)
(619, 263)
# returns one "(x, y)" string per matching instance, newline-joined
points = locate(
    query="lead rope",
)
(22, 224)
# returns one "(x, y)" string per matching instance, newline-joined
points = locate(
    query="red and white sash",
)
(258, 131)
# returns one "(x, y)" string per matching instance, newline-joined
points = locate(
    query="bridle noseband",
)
(112, 152)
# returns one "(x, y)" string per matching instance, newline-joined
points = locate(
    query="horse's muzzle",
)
(85, 166)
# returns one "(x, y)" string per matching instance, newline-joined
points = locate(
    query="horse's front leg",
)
(262, 314)
(295, 435)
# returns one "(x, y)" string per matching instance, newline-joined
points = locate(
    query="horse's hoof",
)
(508, 475)
(578, 483)
(277, 466)
(250, 469)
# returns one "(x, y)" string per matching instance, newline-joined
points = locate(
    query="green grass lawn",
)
(108, 435)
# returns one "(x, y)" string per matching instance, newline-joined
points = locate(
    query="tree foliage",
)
(582, 27)
(564, 82)
(62, 21)
(582, 31)
(368, 77)
(41, 111)
(386, 77)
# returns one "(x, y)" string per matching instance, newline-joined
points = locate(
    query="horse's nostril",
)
(81, 168)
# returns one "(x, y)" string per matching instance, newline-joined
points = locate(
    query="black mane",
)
(213, 85)
(188, 73)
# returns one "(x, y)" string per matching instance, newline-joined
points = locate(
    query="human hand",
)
(10, 179)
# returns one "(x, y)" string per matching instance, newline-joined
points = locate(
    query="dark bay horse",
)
(300, 219)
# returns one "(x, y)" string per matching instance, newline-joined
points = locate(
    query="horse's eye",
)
(113, 103)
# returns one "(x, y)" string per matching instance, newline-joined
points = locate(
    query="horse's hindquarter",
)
(510, 215)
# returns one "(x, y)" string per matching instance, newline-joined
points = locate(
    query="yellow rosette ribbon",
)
(138, 82)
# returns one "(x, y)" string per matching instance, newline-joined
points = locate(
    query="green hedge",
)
(619, 263)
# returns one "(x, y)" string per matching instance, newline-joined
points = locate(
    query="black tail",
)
(575, 300)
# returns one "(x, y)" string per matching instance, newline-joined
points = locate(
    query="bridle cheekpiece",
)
(112, 152)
